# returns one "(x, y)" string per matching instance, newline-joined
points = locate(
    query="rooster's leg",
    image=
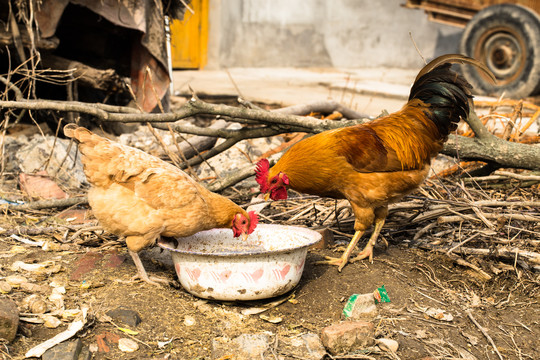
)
(141, 272)
(344, 259)
(368, 250)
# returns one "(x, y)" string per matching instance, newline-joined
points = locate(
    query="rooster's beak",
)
(244, 236)
(267, 196)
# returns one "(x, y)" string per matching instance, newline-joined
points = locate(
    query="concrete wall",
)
(320, 33)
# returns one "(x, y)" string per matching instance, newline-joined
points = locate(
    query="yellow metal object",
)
(189, 37)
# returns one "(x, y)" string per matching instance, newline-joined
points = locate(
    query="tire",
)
(506, 38)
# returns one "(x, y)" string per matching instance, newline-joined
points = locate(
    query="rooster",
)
(140, 197)
(377, 163)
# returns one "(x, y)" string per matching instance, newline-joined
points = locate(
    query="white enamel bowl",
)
(214, 265)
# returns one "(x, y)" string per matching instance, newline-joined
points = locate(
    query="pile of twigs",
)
(495, 217)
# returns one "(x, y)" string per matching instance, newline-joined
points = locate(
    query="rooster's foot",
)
(366, 253)
(339, 262)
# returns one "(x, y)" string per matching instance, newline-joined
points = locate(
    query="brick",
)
(85, 264)
(348, 336)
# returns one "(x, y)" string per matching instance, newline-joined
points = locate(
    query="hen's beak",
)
(244, 236)
(267, 196)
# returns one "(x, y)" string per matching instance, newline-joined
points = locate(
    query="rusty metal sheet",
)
(459, 12)
(49, 15)
(149, 75)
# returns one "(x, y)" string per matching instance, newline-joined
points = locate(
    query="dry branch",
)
(107, 80)
(484, 146)
(484, 332)
(326, 107)
(198, 144)
(48, 204)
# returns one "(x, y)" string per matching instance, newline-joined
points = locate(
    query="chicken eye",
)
(274, 180)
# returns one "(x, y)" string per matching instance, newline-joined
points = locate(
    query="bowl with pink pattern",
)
(214, 265)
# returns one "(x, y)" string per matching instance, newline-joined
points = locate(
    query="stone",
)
(5, 287)
(360, 307)
(348, 336)
(307, 346)
(387, 345)
(35, 304)
(51, 322)
(126, 316)
(127, 345)
(239, 156)
(85, 354)
(67, 350)
(9, 319)
(243, 347)
(189, 320)
(69, 171)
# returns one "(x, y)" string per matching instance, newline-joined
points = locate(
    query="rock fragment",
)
(243, 347)
(9, 319)
(68, 350)
(307, 346)
(127, 345)
(388, 345)
(35, 304)
(126, 316)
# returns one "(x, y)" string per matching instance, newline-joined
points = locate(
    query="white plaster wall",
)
(319, 33)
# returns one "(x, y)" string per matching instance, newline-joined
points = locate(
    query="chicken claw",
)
(368, 249)
(344, 259)
(339, 262)
(366, 253)
(152, 280)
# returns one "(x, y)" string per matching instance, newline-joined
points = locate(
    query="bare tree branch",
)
(48, 204)
(327, 107)
(487, 147)
(189, 109)
(484, 146)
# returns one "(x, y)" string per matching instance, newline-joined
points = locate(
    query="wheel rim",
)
(503, 51)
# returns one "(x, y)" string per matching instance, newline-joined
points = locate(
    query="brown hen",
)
(140, 197)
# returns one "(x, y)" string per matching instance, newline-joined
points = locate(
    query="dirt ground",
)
(97, 272)
(507, 306)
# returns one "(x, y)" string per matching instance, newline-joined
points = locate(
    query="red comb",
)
(261, 174)
(254, 220)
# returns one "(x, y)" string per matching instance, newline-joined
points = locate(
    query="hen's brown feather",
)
(136, 194)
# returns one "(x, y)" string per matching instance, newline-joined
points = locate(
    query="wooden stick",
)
(484, 332)
(48, 204)
(463, 242)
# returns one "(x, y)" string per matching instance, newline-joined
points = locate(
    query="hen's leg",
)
(141, 272)
(344, 259)
(380, 217)
(136, 244)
